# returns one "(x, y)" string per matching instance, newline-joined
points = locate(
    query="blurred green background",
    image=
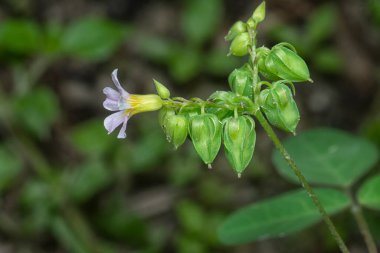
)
(66, 186)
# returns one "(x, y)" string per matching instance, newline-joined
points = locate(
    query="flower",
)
(126, 106)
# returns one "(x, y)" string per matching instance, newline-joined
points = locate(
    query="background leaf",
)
(279, 216)
(328, 156)
(105, 37)
(369, 193)
(321, 24)
(19, 37)
(37, 110)
(10, 167)
(201, 19)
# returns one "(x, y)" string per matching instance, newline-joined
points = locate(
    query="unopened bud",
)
(236, 29)
(259, 13)
(162, 91)
(240, 44)
(239, 138)
(206, 134)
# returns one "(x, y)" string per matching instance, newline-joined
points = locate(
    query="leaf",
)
(85, 181)
(66, 236)
(279, 216)
(10, 167)
(117, 222)
(19, 36)
(328, 60)
(201, 19)
(185, 64)
(328, 156)
(157, 49)
(369, 193)
(93, 38)
(218, 63)
(83, 139)
(321, 24)
(37, 111)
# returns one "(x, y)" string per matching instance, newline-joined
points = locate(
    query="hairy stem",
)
(357, 212)
(272, 135)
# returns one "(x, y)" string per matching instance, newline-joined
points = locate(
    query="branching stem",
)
(357, 212)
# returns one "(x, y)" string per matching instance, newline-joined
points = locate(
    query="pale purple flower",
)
(117, 100)
(125, 105)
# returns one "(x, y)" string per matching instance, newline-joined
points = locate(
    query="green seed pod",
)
(240, 81)
(261, 55)
(236, 29)
(176, 129)
(162, 91)
(279, 107)
(240, 44)
(206, 133)
(163, 114)
(239, 138)
(287, 64)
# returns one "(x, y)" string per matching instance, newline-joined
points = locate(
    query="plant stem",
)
(272, 135)
(357, 212)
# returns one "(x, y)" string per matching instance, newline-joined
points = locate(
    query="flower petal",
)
(122, 133)
(117, 84)
(111, 93)
(115, 120)
(111, 105)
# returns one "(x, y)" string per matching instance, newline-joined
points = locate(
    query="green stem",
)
(357, 212)
(272, 135)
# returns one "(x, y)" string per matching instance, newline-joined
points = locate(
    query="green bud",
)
(240, 44)
(239, 138)
(287, 64)
(279, 107)
(259, 13)
(176, 129)
(162, 91)
(206, 133)
(240, 81)
(236, 29)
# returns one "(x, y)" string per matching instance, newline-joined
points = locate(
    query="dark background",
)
(66, 186)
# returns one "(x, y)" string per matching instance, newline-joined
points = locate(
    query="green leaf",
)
(185, 64)
(19, 37)
(369, 193)
(157, 49)
(83, 139)
(52, 38)
(85, 181)
(328, 60)
(201, 19)
(66, 236)
(117, 222)
(218, 63)
(279, 216)
(37, 111)
(321, 24)
(373, 8)
(10, 167)
(328, 156)
(93, 38)
(191, 217)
